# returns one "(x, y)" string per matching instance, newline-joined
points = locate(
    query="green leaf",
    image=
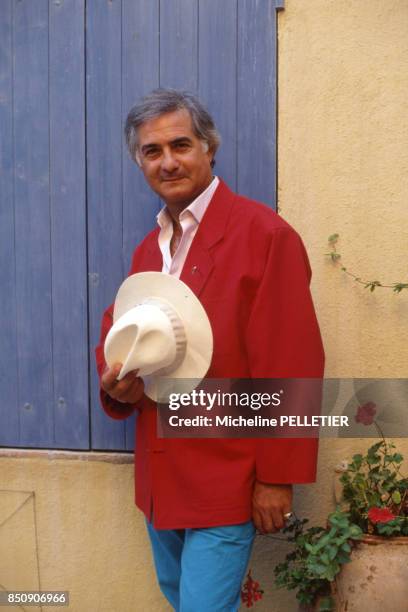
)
(355, 531)
(343, 558)
(358, 459)
(373, 285)
(396, 497)
(332, 571)
(343, 523)
(322, 542)
(333, 238)
(391, 528)
(397, 458)
(374, 448)
(398, 287)
(373, 459)
(318, 568)
(310, 548)
(332, 551)
(325, 558)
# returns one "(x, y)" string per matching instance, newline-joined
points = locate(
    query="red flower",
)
(365, 414)
(380, 515)
(250, 591)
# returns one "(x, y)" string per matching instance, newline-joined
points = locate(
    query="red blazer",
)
(251, 273)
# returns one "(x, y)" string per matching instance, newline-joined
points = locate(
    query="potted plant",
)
(361, 557)
(375, 493)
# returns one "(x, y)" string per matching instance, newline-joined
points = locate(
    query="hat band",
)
(180, 338)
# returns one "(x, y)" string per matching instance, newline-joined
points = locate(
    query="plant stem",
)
(335, 257)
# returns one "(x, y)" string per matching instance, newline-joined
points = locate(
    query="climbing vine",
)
(368, 284)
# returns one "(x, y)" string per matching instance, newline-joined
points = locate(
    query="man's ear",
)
(206, 149)
(138, 160)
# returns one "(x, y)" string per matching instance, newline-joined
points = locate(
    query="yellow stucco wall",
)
(343, 167)
(80, 531)
(343, 162)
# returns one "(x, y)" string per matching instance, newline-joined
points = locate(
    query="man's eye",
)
(181, 146)
(151, 153)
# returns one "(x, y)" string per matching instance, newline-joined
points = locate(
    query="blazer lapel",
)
(155, 260)
(199, 263)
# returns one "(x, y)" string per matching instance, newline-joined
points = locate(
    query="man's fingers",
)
(268, 522)
(109, 377)
(131, 376)
(123, 386)
(277, 517)
(257, 520)
(120, 389)
(129, 389)
(263, 521)
(132, 392)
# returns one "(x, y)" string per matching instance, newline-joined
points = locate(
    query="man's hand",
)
(269, 503)
(129, 390)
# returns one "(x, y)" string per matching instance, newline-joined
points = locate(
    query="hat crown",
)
(149, 337)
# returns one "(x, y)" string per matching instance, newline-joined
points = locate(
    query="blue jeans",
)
(201, 570)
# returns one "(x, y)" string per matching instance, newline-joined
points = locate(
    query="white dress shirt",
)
(189, 219)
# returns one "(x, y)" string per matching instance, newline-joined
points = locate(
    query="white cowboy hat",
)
(161, 329)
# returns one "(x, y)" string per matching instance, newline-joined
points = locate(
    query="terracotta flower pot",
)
(376, 579)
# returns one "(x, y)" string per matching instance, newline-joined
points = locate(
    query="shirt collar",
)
(196, 209)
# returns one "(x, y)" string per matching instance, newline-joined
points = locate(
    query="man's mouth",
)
(173, 179)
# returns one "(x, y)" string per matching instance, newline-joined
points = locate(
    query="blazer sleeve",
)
(113, 408)
(283, 341)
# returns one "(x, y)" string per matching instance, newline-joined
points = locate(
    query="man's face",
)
(172, 158)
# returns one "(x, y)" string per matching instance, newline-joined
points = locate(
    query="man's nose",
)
(169, 162)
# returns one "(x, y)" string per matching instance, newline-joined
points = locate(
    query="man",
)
(203, 497)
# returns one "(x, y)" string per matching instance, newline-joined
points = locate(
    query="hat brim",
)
(140, 287)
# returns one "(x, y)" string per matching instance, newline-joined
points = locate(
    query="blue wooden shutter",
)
(73, 205)
(44, 356)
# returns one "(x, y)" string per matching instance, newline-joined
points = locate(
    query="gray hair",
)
(162, 101)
